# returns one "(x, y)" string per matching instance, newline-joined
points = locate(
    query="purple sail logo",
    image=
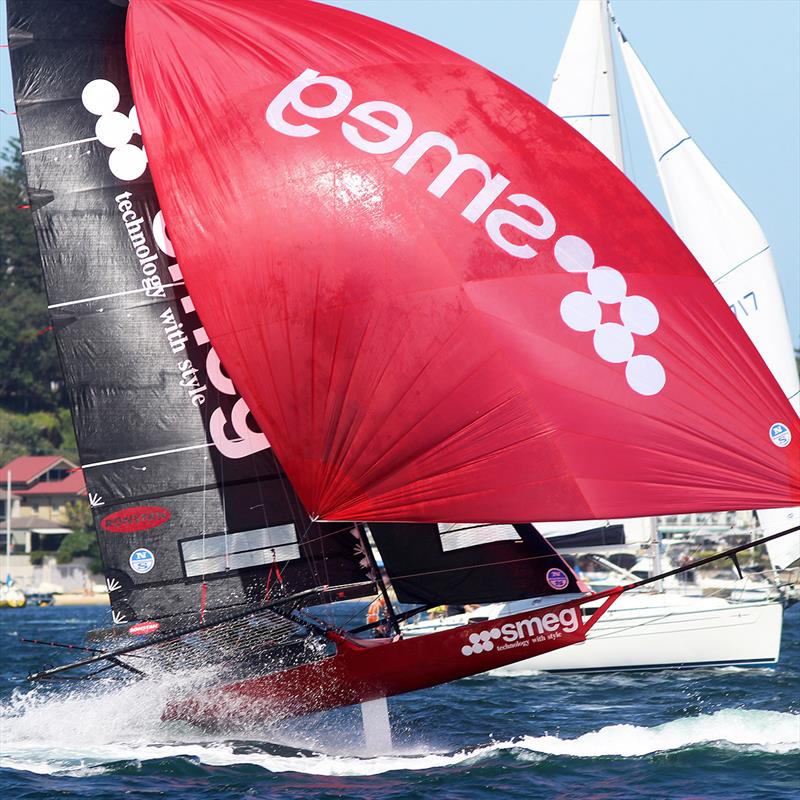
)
(138, 518)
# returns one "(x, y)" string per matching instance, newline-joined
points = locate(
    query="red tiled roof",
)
(26, 468)
(72, 484)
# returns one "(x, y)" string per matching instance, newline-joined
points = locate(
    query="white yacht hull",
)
(666, 631)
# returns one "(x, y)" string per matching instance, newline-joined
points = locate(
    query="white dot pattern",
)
(574, 254)
(613, 341)
(115, 129)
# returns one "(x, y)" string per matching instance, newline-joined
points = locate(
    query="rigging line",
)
(303, 541)
(110, 296)
(740, 264)
(384, 593)
(729, 553)
(57, 146)
(203, 589)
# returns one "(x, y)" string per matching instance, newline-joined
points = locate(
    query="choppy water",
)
(724, 733)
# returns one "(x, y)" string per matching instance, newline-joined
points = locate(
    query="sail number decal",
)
(745, 305)
(138, 518)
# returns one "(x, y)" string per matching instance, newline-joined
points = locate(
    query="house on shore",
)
(41, 489)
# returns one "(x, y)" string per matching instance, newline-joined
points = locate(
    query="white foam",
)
(81, 733)
(766, 731)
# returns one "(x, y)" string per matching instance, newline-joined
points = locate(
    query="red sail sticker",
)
(138, 518)
(144, 628)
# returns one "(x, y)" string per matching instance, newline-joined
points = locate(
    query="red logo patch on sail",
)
(144, 628)
(138, 518)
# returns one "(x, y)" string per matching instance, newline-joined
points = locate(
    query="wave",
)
(82, 733)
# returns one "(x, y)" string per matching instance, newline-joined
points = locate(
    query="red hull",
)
(366, 669)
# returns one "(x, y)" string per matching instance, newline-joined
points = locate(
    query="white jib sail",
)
(728, 242)
(584, 92)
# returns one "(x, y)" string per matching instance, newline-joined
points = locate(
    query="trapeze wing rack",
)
(280, 627)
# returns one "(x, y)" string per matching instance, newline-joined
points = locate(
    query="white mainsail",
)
(584, 91)
(728, 242)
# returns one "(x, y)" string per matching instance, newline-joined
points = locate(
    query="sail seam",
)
(148, 455)
(110, 296)
(56, 146)
(678, 144)
(741, 264)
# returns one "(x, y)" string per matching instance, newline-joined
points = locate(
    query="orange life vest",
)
(375, 610)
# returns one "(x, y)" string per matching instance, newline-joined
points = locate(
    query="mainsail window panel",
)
(458, 535)
(207, 555)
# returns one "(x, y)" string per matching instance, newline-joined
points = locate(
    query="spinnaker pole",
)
(8, 527)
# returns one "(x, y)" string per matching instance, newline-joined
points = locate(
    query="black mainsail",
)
(192, 512)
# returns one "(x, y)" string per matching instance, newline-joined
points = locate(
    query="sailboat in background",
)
(668, 629)
(396, 349)
(708, 215)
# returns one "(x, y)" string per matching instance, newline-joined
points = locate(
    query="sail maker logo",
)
(580, 311)
(139, 518)
(522, 632)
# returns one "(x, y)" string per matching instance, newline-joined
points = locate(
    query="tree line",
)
(34, 418)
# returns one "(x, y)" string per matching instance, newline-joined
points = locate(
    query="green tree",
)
(36, 434)
(82, 541)
(30, 375)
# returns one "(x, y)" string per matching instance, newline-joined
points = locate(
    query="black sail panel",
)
(605, 536)
(192, 512)
(467, 563)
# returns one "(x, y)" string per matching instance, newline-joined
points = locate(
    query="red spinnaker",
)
(438, 300)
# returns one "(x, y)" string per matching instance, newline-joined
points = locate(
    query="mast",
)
(726, 238)
(584, 91)
(8, 527)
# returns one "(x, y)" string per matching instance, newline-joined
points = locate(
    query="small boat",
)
(393, 271)
(11, 596)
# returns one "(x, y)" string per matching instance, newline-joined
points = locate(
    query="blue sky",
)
(730, 70)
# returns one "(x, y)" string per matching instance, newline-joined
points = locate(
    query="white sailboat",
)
(669, 629)
(727, 240)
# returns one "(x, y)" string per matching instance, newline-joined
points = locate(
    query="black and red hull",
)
(367, 669)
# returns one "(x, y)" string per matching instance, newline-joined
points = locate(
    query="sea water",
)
(723, 733)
